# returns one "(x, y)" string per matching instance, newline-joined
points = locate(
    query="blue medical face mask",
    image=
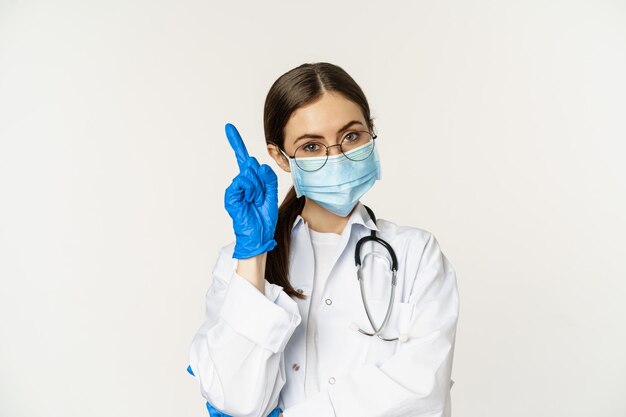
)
(341, 182)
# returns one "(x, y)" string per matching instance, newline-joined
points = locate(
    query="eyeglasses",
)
(311, 156)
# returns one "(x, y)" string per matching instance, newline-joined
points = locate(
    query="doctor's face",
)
(327, 120)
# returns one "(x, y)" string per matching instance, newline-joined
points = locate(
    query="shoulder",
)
(422, 265)
(415, 245)
(404, 235)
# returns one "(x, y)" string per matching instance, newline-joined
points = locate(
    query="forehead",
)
(324, 116)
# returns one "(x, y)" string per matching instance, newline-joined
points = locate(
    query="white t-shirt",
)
(324, 250)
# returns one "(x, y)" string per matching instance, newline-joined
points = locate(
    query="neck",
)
(322, 220)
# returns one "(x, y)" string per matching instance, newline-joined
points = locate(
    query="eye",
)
(352, 137)
(312, 147)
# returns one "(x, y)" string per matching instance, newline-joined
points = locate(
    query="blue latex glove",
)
(213, 412)
(216, 413)
(251, 201)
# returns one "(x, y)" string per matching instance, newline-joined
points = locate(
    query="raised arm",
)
(237, 354)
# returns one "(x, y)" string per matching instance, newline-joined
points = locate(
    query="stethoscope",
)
(359, 273)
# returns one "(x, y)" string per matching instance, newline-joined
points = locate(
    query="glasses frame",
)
(372, 134)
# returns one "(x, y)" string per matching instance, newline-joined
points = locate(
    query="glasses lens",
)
(311, 156)
(357, 146)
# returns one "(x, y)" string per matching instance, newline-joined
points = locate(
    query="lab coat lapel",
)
(358, 225)
(302, 261)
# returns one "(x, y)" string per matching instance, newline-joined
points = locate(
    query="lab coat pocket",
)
(403, 319)
(399, 321)
(398, 327)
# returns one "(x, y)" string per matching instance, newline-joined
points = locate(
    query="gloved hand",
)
(251, 201)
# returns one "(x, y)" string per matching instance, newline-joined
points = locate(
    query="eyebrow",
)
(312, 136)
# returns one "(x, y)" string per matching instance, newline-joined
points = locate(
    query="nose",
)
(337, 152)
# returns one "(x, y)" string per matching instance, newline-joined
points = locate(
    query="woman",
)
(285, 330)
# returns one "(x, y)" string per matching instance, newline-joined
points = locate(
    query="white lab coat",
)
(250, 353)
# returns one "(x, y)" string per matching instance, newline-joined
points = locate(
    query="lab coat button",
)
(331, 380)
(329, 301)
(300, 290)
(296, 366)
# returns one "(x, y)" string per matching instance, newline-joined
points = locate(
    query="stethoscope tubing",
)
(394, 269)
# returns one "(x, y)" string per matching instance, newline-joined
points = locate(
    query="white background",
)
(501, 130)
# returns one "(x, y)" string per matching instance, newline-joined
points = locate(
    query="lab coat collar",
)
(358, 216)
(302, 266)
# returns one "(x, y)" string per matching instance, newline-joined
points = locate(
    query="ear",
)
(277, 155)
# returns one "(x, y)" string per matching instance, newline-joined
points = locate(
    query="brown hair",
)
(298, 87)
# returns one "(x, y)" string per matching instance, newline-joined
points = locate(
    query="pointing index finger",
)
(234, 138)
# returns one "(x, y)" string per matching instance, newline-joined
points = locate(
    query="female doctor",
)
(302, 319)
